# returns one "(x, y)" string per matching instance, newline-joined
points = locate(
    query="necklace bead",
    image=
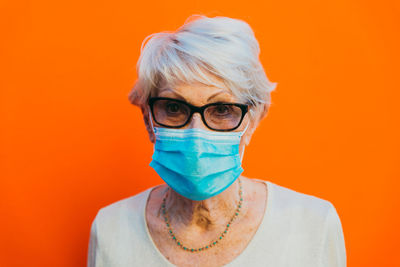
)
(215, 242)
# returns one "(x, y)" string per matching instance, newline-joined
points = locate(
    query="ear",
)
(263, 113)
(260, 113)
(146, 119)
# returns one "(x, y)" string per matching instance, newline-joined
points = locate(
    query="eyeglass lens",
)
(218, 116)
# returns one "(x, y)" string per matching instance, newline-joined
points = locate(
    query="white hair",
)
(224, 47)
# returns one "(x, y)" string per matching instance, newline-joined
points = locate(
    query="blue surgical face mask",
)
(197, 164)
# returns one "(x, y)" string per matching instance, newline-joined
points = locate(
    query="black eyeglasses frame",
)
(194, 109)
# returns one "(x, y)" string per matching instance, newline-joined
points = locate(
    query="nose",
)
(196, 122)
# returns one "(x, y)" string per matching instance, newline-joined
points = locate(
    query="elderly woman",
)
(203, 92)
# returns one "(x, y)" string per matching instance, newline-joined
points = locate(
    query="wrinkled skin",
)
(197, 223)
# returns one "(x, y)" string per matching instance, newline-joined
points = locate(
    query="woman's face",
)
(199, 95)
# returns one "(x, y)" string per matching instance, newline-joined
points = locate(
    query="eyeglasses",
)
(175, 113)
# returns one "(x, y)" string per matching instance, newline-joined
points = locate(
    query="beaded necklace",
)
(213, 243)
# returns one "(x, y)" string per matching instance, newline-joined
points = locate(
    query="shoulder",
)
(118, 229)
(313, 221)
(306, 211)
(124, 209)
(290, 199)
(308, 227)
(120, 222)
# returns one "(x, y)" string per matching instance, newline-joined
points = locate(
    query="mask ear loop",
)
(245, 129)
(152, 127)
(241, 134)
(241, 156)
(151, 121)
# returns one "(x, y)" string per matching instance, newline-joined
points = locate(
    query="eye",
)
(172, 108)
(221, 110)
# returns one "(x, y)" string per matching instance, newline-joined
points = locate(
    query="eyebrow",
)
(172, 91)
(182, 98)
(217, 93)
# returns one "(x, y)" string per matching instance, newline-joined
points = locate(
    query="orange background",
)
(71, 142)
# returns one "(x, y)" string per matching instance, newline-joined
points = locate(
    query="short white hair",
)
(221, 46)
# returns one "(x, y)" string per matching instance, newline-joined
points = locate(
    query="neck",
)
(207, 214)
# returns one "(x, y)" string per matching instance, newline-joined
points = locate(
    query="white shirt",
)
(297, 230)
